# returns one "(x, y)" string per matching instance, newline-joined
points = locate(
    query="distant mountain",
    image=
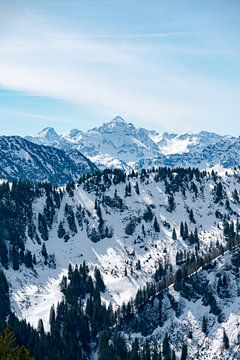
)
(120, 144)
(23, 159)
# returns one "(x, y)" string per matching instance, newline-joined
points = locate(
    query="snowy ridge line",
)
(120, 144)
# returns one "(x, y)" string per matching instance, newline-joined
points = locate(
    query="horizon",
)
(166, 66)
(67, 131)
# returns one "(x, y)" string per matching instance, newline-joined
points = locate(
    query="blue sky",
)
(169, 65)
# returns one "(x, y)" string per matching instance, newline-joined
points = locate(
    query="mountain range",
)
(118, 246)
(120, 144)
(59, 159)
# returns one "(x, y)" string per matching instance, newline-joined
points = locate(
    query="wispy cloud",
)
(30, 115)
(115, 74)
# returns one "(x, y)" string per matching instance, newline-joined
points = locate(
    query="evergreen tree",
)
(156, 225)
(171, 203)
(235, 196)
(40, 327)
(44, 251)
(204, 325)
(4, 298)
(15, 258)
(3, 253)
(7, 349)
(61, 230)
(174, 234)
(184, 352)
(182, 232)
(42, 226)
(99, 280)
(225, 340)
(218, 192)
(191, 217)
(28, 259)
(137, 188)
(166, 349)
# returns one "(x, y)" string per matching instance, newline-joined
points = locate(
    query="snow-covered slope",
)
(196, 313)
(120, 144)
(22, 159)
(126, 245)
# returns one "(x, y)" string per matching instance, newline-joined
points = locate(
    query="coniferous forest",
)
(83, 324)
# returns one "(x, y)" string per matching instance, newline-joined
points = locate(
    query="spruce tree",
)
(225, 340)
(99, 280)
(156, 225)
(174, 234)
(8, 351)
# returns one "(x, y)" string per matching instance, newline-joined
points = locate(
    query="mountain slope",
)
(120, 144)
(124, 229)
(22, 159)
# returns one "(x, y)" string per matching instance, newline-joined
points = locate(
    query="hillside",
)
(22, 159)
(125, 225)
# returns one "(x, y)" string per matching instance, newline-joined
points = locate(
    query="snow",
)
(176, 145)
(120, 144)
(33, 293)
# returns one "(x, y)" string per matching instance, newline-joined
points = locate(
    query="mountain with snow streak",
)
(22, 159)
(120, 144)
(127, 226)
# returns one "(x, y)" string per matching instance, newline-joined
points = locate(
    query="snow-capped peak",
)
(49, 133)
(130, 147)
(117, 121)
(119, 125)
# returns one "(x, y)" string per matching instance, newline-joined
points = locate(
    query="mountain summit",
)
(118, 143)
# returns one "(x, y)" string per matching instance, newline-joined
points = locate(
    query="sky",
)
(168, 65)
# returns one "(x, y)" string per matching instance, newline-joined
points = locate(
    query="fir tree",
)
(204, 325)
(10, 352)
(225, 340)
(191, 217)
(99, 280)
(174, 234)
(156, 225)
(184, 352)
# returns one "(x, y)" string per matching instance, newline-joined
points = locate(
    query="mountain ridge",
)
(118, 143)
(25, 160)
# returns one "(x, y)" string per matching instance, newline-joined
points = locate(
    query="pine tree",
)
(40, 327)
(4, 298)
(218, 192)
(204, 325)
(7, 349)
(178, 279)
(42, 227)
(156, 225)
(182, 230)
(191, 217)
(186, 233)
(235, 196)
(61, 230)
(3, 253)
(99, 280)
(166, 349)
(15, 258)
(171, 203)
(28, 259)
(44, 251)
(174, 234)
(137, 188)
(184, 352)
(225, 340)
